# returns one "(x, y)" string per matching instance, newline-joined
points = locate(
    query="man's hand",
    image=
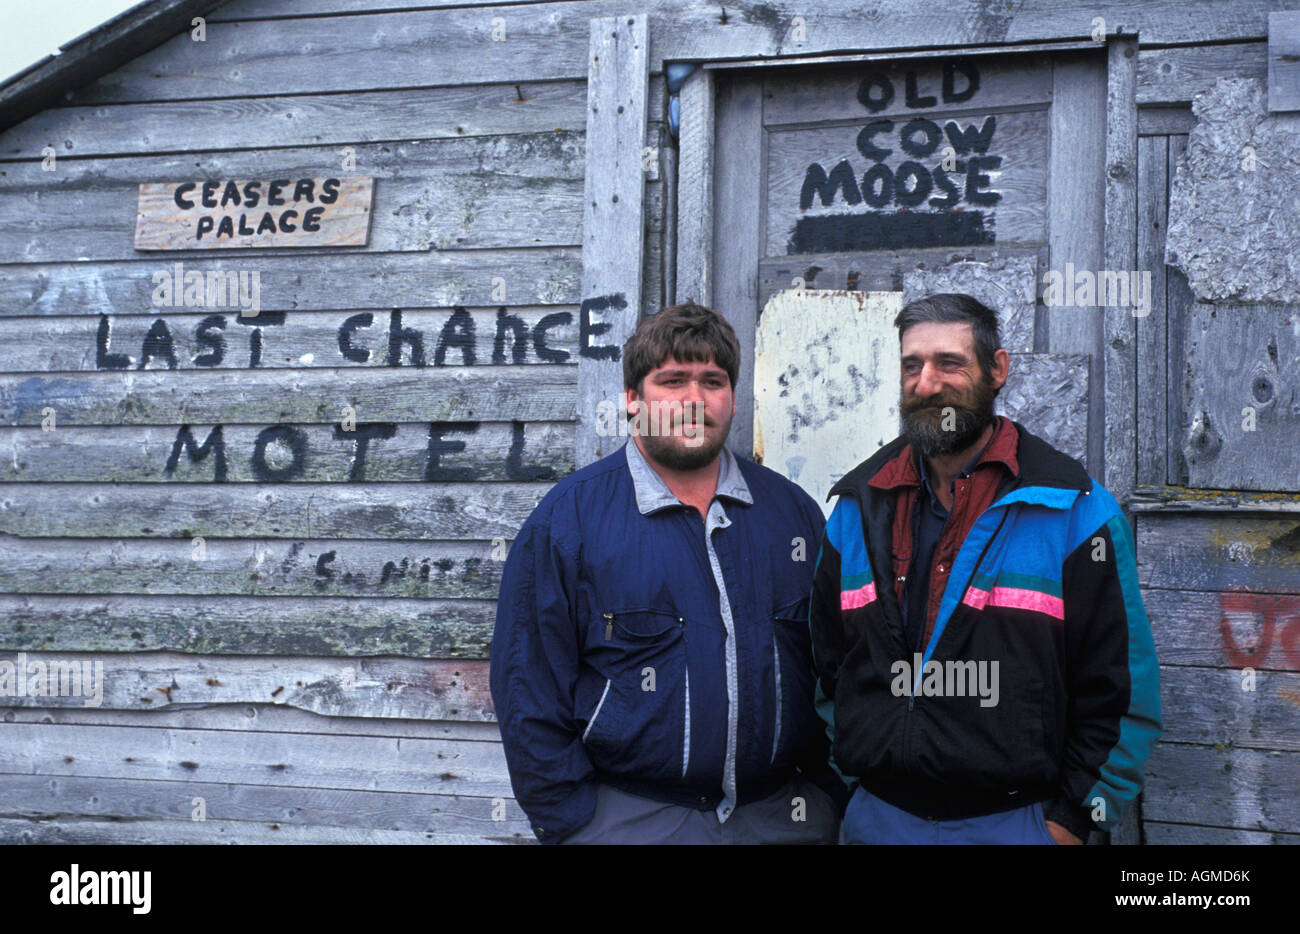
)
(1061, 835)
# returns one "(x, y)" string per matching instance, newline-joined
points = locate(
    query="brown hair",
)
(687, 332)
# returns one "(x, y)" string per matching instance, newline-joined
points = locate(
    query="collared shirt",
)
(929, 516)
(652, 494)
(971, 496)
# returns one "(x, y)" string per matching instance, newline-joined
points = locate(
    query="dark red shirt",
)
(970, 497)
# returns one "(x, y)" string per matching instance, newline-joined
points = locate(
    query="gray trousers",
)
(799, 813)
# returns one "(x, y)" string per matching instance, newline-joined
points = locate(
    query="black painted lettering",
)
(209, 196)
(587, 329)
(964, 140)
(876, 91)
(181, 192)
(311, 219)
(355, 354)
(103, 359)
(912, 97)
(815, 182)
(214, 445)
(458, 332)
(919, 189)
(361, 435)
(256, 322)
(516, 469)
(434, 471)
(968, 71)
(329, 191)
(933, 137)
(273, 192)
(285, 226)
(230, 194)
(266, 224)
(157, 343)
(878, 173)
(952, 195)
(976, 180)
(226, 227)
(398, 335)
(554, 320)
(252, 194)
(210, 334)
(206, 224)
(244, 229)
(292, 438)
(867, 146)
(304, 188)
(515, 326)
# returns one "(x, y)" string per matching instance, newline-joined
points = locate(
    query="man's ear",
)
(629, 398)
(1001, 367)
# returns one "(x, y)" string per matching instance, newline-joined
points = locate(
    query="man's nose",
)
(928, 384)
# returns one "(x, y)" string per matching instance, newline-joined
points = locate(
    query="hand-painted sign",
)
(283, 212)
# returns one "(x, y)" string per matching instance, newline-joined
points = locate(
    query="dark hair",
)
(949, 307)
(687, 332)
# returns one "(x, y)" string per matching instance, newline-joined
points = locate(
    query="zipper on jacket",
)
(609, 625)
(776, 662)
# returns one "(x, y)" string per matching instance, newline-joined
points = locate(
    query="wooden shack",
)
(258, 486)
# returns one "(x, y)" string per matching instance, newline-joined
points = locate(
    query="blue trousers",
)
(869, 820)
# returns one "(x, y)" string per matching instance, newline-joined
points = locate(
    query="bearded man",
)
(651, 666)
(985, 665)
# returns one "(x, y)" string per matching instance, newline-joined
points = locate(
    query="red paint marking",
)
(1277, 615)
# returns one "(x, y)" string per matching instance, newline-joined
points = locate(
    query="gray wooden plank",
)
(831, 93)
(548, 41)
(1175, 76)
(39, 797)
(290, 510)
(324, 568)
(1223, 629)
(1237, 378)
(1018, 140)
(1119, 374)
(207, 339)
(390, 394)
(1220, 552)
(442, 195)
(741, 177)
(1008, 285)
(1249, 789)
(1209, 707)
(1178, 299)
(273, 718)
(1048, 394)
(387, 687)
(1165, 121)
(1283, 55)
(1161, 833)
(613, 221)
(879, 271)
(695, 169)
(392, 453)
(1179, 499)
(1076, 220)
(200, 623)
(1152, 348)
(545, 276)
(298, 120)
(370, 763)
(77, 832)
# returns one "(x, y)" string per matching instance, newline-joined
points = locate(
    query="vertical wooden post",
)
(695, 191)
(613, 229)
(1119, 346)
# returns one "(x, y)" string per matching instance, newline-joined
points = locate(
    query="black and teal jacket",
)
(1045, 586)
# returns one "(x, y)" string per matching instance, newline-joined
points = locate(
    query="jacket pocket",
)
(791, 680)
(639, 725)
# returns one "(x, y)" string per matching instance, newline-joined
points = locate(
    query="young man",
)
(976, 619)
(651, 665)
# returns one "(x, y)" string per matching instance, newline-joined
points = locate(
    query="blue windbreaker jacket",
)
(611, 662)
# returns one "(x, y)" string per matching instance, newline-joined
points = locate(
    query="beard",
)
(923, 420)
(674, 453)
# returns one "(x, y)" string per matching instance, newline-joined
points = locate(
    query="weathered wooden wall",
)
(296, 634)
(320, 673)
